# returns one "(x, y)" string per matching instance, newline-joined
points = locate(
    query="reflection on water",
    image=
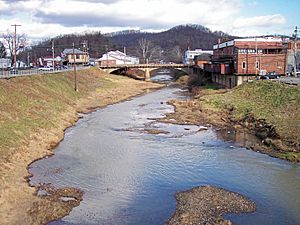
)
(130, 177)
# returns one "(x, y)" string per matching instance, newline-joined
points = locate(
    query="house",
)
(5, 63)
(48, 61)
(239, 60)
(201, 60)
(113, 58)
(76, 56)
(189, 55)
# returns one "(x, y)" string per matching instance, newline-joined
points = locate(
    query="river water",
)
(130, 176)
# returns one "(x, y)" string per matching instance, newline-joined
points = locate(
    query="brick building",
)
(293, 56)
(240, 60)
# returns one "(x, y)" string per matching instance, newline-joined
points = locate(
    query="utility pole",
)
(295, 51)
(106, 55)
(15, 45)
(85, 50)
(75, 75)
(53, 53)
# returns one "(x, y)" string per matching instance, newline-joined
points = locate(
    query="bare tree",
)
(148, 50)
(177, 53)
(155, 53)
(144, 46)
(21, 42)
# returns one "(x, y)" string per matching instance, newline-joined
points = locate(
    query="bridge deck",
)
(145, 66)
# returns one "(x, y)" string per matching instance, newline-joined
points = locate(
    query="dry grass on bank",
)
(33, 102)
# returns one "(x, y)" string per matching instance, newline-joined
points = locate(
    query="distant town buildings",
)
(48, 61)
(5, 63)
(113, 58)
(77, 56)
(189, 55)
(202, 60)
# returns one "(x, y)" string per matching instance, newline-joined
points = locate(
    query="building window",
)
(257, 65)
(244, 65)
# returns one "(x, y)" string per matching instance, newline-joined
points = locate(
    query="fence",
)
(28, 72)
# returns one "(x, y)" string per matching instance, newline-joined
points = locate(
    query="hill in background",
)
(167, 45)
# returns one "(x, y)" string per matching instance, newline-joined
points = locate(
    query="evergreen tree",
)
(2, 50)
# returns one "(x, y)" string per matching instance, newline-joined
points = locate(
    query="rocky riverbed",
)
(207, 205)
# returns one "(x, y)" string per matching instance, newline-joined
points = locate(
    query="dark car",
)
(14, 71)
(270, 75)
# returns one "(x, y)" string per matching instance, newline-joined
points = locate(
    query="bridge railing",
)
(145, 66)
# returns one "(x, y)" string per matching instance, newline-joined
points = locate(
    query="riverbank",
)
(35, 111)
(267, 110)
(207, 205)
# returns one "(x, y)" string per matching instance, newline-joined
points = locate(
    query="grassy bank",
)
(271, 109)
(35, 111)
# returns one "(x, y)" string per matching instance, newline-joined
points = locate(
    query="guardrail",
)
(20, 73)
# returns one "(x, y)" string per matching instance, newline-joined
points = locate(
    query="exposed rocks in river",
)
(207, 205)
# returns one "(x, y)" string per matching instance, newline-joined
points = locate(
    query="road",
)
(290, 80)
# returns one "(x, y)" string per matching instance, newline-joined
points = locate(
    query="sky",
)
(44, 19)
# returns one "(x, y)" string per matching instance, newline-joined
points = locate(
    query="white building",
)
(113, 58)
(189, 55)
(5, 63)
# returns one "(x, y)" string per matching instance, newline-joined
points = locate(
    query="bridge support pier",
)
(147, 74)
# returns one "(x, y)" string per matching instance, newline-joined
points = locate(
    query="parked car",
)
(13, 71)
(47, 68)
(270, 75)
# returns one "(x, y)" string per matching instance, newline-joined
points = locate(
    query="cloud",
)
(142, 13)
(259, 21)
(46, 18)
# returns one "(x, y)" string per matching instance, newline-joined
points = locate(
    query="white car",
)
(46, 68)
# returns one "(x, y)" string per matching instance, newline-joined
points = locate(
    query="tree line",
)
(168, 46)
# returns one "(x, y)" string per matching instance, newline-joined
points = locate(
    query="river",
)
(130, 176)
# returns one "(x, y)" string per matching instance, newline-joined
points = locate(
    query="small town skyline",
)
(46, 19)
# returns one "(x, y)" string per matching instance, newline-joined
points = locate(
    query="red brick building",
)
(239, 60)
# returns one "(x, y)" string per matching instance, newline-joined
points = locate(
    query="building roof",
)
(204, 57)
(69, 51)
(116, 55)
(254, 40)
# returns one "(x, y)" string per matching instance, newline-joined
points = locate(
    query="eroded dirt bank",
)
(207, 205)
(35, 111)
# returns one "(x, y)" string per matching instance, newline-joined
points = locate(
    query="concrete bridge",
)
(147, 68)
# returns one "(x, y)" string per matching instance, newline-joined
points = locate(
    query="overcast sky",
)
(48, 18)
